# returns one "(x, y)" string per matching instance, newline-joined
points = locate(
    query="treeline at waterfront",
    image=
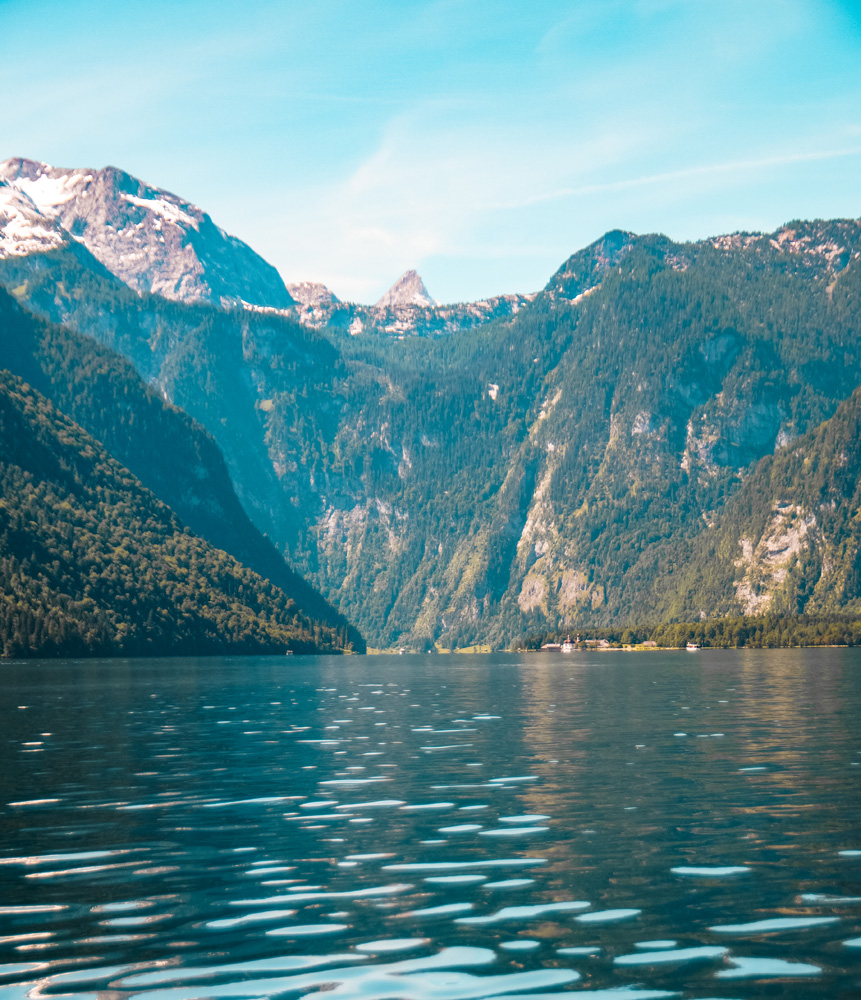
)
(745, 632)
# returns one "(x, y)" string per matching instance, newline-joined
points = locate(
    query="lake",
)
(609, 825)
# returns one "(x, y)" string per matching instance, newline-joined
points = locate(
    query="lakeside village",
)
(770, 631)
(569, 645)
(744, 632)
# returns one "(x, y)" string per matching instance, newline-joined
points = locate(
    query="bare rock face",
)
(315, 303)
(408, 290)
(150, 239)
(311, 293)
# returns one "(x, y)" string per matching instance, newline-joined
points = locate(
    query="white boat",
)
(692, 647)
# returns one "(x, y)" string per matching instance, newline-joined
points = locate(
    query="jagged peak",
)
(408, 290)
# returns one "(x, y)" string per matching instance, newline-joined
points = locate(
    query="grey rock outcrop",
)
(408, 290)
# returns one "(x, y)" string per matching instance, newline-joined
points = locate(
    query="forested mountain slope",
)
(92, 563)
(548, 468)
(170, 453)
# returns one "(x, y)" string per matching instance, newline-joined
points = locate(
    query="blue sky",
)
(480, 142)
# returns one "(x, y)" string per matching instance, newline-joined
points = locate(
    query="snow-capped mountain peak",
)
(150, 239)
(408, 290)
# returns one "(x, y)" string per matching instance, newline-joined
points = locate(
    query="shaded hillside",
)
(92, 563)
(170, 453)
(219, 366)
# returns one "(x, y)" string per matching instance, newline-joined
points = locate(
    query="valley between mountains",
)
(664, 432)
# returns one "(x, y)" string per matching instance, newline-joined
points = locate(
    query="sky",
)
(479, 141)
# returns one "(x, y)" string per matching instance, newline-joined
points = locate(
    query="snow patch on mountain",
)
(48, 191)
(163, 207)
(23, 228)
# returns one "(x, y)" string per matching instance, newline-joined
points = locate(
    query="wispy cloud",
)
(687, 173)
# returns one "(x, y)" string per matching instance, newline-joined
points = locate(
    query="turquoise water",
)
(433, 828)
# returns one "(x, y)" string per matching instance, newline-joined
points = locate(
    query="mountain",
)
(156, 242)
(171, 454)
(548, 467)
(149, 238)
(91, 563)
(408, 290)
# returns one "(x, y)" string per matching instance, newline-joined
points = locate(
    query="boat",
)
(692, 647)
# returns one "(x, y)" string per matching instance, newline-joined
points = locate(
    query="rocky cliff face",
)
(149, 238)
(788, 542)
(314, 303)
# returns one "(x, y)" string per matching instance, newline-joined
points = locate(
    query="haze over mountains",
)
(598, 452)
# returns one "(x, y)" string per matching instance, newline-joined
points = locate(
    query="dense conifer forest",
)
(91, 563)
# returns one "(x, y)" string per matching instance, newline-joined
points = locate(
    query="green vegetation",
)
(91, 563)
